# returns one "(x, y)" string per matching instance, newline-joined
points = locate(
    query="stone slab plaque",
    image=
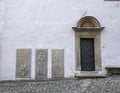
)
(23, 63)
(57, 63)
(41, 63)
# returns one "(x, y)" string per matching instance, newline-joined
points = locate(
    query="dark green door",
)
(87, 54)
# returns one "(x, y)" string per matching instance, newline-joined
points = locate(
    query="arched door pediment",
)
(88, 23)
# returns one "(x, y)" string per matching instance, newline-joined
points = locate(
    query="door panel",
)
(87, 54)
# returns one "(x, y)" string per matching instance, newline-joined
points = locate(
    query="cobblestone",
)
(93, 85)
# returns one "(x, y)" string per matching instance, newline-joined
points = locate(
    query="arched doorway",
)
(88, 45)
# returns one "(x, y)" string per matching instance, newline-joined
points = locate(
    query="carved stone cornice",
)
(76, 29)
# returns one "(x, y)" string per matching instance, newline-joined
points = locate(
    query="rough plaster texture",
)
(48, 24)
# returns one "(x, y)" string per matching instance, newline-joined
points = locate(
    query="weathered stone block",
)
(23, 63)
(41, 63)
(57, 63)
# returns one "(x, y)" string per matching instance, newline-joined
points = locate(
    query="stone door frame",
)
(92, 30)
(97, 50)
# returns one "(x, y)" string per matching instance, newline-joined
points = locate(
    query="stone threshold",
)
(90, 75)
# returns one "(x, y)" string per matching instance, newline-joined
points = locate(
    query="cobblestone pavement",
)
(89, 85)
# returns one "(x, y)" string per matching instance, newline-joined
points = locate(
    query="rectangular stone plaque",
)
(57, 63)
(41, 63)
(23, 63)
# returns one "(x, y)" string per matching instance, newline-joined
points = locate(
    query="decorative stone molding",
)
(41, 63)
(23, 63)
(90, 21)
(88, 27)
(23, 70)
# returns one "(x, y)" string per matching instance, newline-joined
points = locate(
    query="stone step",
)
(90, 75)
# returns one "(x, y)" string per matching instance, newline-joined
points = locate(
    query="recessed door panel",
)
(87, 54)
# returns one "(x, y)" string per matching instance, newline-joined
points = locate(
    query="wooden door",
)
(87, 54)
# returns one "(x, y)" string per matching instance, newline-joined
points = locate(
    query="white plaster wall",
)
(48, 24)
